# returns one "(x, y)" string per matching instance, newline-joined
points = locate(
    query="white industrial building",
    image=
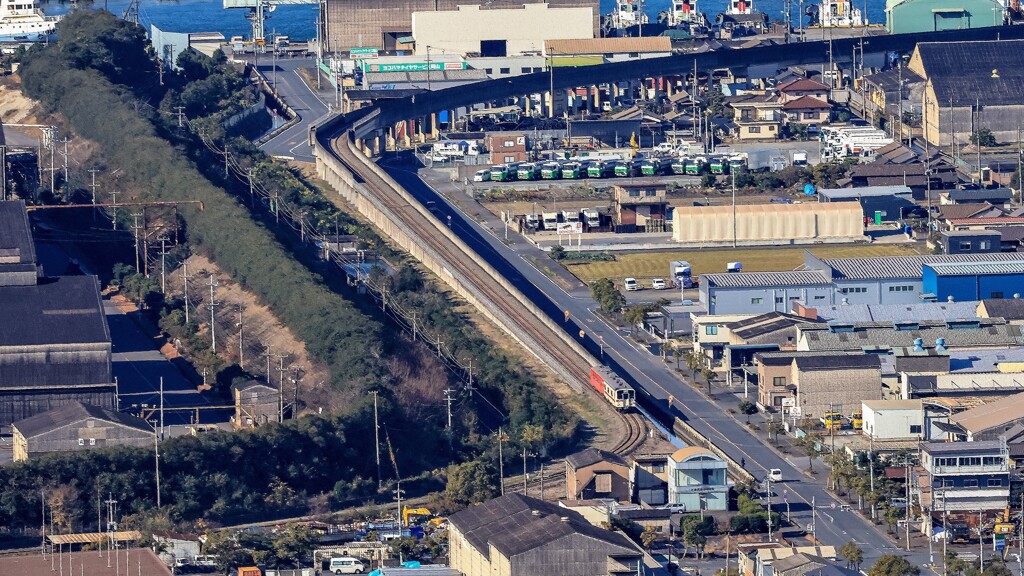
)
(499, 32)
(893, 419)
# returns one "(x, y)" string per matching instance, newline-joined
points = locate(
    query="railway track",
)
(636, 431)
(425, 227)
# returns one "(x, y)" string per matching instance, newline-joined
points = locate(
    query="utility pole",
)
(526, 489)
(181, 123)
(252, 193)
(156, 459)
(376, 436)
(733, 172)
(448, 402)
(3, 173)
(163, 263)
(241, 343)
(161, 407)
(135, 233)
(280, 386)
(501, 461)
(909, 507)
(184, 283)
(227, 155)
(67, 178)
(213, 318)
(92, 171)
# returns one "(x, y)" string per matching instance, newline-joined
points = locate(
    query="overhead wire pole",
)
(376, 437)
(241, 343)
(184, 283)
(213, 318)
(163, 263)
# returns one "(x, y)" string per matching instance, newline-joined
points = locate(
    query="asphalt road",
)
(654, 380)
(308, 104)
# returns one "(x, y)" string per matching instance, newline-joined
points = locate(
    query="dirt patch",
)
(261, 332)
(15, 107)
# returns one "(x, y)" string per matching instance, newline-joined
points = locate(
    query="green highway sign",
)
(363, 52)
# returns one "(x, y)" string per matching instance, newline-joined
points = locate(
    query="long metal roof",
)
(766, 279)
(901, 267)
(976, 268)
(94, 537)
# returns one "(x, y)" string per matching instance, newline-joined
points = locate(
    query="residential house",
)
(970, 241)
(711, 335)
(176, 546)
(698, 479)
(594, 473)
(648, 478)
(256, 403)
(815, 383)
(893, 419)
(765, 332)
(76, 427)
(515, 534)
(964, 480)
(885, 203)
(757, 116)
(974, 210)
(803, 564)
(993, 196)
(639, 207)
(759, 559)
(506, 147)
(802, 88)
(807, 111)
(883, 336)
(881, 174)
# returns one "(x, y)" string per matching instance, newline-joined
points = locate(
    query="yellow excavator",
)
(410, 513)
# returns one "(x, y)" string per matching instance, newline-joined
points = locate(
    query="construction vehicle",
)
(832, 420)
(408, 514)
(857, 420)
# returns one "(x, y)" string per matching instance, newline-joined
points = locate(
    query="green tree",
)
(295, 544)
(708, 375)
(747, 408)
(678, 352)
(893, 565)
(842, 470)
(607, 295)
(810, 444)
(892, 516)
(471, 483)
(853, 555)
(708, 180)
(557, 253)
(996, 568)
(983, 137)
(634, 316)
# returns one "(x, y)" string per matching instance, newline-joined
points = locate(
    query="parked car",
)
(775, 475)
(658, 284)
(482, 176)
(631, 285)
(346, 565)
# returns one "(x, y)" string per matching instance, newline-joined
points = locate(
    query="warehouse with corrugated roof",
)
(768, 224)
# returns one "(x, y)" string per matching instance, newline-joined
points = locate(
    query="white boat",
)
(21, 21)
(629, 13)
(738, 7)
(837, 14)
(685, 12)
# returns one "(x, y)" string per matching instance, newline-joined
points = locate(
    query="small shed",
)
(891, 203)
(256, 403)
(594, 473)
(971, 241)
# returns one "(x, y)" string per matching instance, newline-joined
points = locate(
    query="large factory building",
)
(387, 24)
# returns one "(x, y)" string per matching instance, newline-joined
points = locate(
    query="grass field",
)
(646, 265)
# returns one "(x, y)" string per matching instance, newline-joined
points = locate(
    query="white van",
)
(631, 285)
(346, 565)
(482, 176)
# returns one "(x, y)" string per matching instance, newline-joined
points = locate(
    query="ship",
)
(684, 13)
(21, 21)
(628, 13)
(835, 14)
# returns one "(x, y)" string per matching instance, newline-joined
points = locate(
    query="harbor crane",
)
(259, 12)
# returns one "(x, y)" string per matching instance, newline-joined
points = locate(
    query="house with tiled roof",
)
(803, 87)
(806, 110)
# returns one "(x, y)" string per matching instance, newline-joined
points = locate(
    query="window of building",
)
(525, 70)
(504, 70)
(915, 428)
(819, 297)
(970, 461)
(650, 193)
(710, 330)
(972, 483)
(755, 129)
(488, 71)
(634, 54)
(994, 482)
(756, 300)
(92, 441)
(778, 299)
(853, 290)
(771, 128)
(779, 381)
(992, 461)
(603, 483)
(965, 245)
(634, 193)
(81, 441)
(714, 300)
(510, 159)
(658, 468)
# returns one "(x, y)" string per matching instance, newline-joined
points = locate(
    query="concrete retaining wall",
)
(338, 176)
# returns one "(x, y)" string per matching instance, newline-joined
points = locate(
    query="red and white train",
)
(614, 389)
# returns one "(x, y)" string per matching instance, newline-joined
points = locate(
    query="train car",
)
(614, 389)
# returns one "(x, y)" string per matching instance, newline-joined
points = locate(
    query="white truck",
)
(550, 220)
(681, 274)
(592, 218)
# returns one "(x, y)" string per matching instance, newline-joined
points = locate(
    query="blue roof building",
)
(972, 280)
